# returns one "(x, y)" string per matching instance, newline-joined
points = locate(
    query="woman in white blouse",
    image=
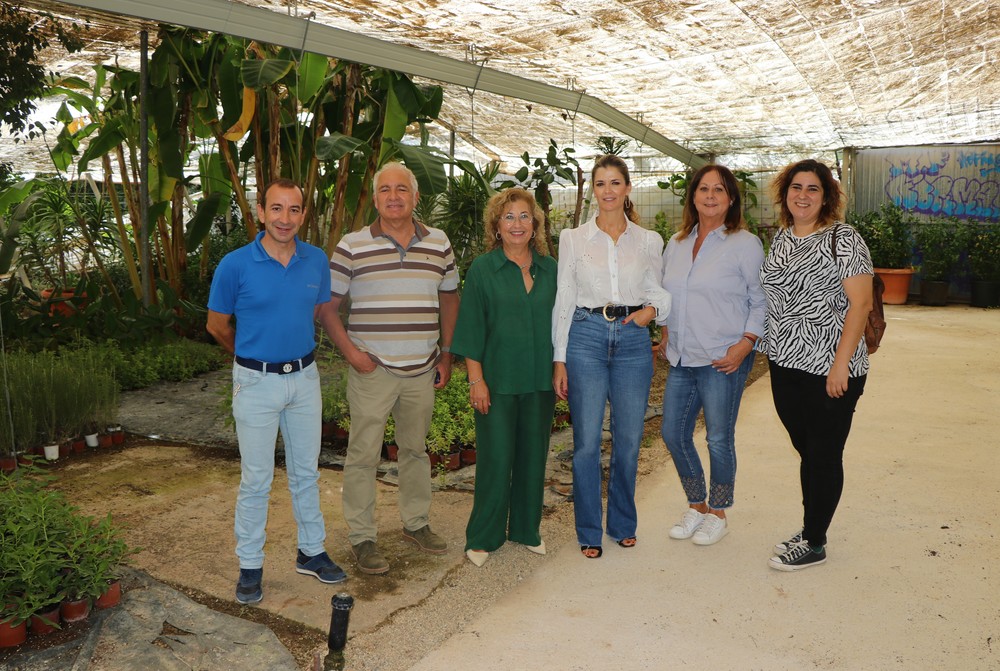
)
(608, 293)
(711, 268)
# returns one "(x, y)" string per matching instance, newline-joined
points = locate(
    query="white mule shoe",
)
(477, 557)
(537, 549)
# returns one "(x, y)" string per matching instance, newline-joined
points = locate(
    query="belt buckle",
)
(604, 312)
(286, 367)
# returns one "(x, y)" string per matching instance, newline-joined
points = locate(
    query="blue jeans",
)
(606, 361)
(263, 403)
(688, 391)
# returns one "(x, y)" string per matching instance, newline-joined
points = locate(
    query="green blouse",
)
(505, 328)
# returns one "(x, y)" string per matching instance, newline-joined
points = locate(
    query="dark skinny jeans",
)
(818, 427)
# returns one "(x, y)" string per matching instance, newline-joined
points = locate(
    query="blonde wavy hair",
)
(499, 202)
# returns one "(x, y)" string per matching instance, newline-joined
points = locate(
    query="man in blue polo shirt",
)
(274, 286)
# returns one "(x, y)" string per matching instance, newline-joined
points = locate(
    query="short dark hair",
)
(281, 183)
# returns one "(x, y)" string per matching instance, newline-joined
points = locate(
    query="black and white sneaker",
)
(782, 548)
(798, 557)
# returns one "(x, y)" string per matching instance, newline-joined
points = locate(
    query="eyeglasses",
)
(509, 219)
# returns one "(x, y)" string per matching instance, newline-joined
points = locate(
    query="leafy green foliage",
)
(888, 233)
(940, 243)
(460, 214)
(984, 250)
(22, 79)
(49, 550)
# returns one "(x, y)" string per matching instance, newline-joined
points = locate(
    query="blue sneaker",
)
(248, 589)
(320, 567)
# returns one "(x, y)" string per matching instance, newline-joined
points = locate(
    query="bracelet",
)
(753, 343)
(475, 381)
(446, 349)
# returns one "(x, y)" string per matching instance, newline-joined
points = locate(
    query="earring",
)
(532, 235)
(628, 203)
(498, 235)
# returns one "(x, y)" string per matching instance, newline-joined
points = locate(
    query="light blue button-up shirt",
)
(716, 297)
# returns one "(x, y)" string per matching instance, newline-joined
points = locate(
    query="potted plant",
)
(888, 234)
(561, 418)
(30, 561)
(940, 244)
(984, 262)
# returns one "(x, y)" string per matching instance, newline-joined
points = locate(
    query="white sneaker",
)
(711, 531)
(687, 526)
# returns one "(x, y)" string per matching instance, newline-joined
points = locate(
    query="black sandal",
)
(587, 548)
(629, 542)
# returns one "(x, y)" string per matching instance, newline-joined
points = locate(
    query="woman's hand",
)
(560, 381)
(836, 380)
(734, 357)
(479, 396)
(641, 317)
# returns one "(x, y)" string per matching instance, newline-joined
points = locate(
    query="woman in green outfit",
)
(504, 332)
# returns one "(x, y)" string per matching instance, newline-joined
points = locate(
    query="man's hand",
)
(443, 371)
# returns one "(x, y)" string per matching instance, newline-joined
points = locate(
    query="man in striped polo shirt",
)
(403, 283)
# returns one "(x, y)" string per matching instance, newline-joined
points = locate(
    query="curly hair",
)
(832, 209)
(616, 163)
(734, 215)
(499, 202)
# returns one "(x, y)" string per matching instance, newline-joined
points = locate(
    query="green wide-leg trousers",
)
(512, 444)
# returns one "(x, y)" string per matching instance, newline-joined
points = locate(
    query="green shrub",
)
(888, 234)
(940, 242)
(984, 250)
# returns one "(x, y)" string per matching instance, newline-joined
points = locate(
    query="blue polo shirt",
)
(273, 304)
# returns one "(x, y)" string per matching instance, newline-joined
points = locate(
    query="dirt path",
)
(176, 502)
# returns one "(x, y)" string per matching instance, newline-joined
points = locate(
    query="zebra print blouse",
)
(806, 303)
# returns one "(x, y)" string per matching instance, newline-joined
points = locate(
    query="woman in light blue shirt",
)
(711, 268)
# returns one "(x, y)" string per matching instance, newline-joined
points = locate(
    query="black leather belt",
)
(283, 368)
(613, 312)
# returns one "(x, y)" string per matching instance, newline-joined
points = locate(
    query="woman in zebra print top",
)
(818, 299)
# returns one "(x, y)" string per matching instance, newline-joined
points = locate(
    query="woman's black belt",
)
(612, 312)
(282, 368)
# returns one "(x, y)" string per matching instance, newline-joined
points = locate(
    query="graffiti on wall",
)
(964, 183)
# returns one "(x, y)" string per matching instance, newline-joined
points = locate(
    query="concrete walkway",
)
(912, 576)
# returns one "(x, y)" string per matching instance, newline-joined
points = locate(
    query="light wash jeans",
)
(689, 390)
(606, 361)
(263, 403)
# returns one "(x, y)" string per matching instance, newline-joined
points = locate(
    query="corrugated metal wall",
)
(934, 180)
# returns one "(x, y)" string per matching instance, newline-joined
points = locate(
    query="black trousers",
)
(818, 427)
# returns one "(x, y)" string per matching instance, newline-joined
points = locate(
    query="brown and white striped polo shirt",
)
(395, 312)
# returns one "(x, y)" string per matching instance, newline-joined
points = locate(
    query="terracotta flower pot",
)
(117, 435)
(45, 622)
(468, 455)
(78, 445)
(75, 611)
(104, 440)
(12, 635)
(8, 464)
(897, 284)
(392, 451)
(112, 596)
(64, 448)
(453, 461)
